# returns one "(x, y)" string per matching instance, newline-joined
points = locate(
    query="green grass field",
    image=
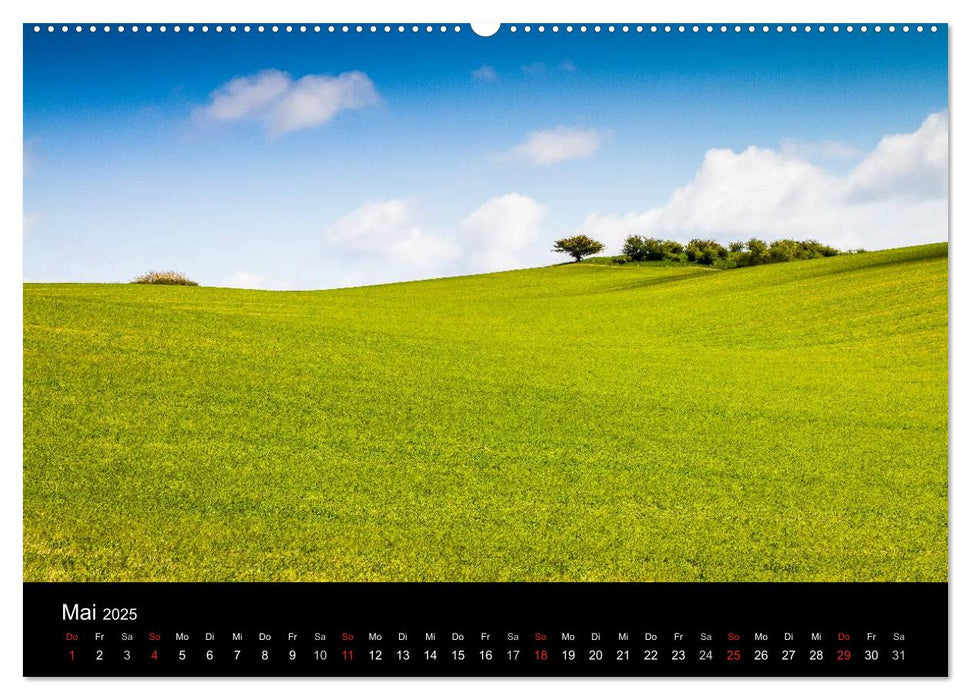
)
(580, 422)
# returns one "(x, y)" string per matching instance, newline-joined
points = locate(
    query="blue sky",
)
(314, 160)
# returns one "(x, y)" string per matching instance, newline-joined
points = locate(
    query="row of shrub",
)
(708, 252)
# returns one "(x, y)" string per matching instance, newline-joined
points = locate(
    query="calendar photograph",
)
(425, 304)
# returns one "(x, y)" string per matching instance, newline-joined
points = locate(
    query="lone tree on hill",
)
(577, 246)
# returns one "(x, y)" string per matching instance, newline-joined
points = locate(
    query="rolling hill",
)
(580, 422)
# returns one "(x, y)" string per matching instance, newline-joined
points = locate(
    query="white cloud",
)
(556, 145)
(385, 240)
(485, 73)
(282, 104)
(246, 96)
(500, 232)
(244, 280)
(386, 230)
(896, 196)
(906, 165)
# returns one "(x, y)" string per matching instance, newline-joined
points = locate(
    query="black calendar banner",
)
(485, 629)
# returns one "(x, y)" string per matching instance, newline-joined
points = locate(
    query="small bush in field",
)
(641, 248)
(729, 263)
(756, 252)
(784, 250)
(705, 251)
(167, 277)
(622, 259)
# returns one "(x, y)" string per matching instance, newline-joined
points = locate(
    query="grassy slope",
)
(581, 422)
